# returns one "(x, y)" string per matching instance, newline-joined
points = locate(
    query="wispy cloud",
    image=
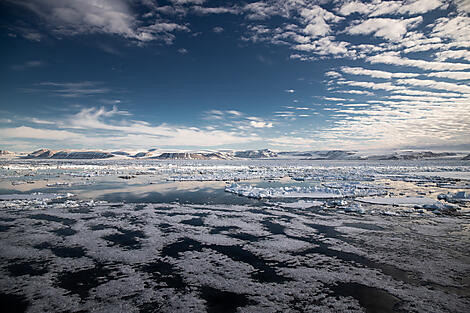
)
(28, 65)
(72, 90)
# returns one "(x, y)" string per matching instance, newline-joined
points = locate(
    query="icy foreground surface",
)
(182, 258)
(394, 238)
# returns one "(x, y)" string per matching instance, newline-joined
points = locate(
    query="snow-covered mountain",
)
(190, 156)
(256, 154)
(325, 155)
(412, 155)
(246, 154)
(50, 154)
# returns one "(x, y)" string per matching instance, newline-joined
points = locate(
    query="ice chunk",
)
(36, 196)
(355, 208)
(301, 204)
(460, 196)
(313, 192)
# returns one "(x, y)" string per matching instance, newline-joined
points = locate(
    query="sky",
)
(213, 75)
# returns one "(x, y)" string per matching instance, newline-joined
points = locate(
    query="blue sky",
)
(208, 74)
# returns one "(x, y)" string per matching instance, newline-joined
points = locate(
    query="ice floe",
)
(36, 196)
(301, 204)
(312, 192)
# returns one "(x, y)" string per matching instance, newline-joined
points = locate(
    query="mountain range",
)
(230, 155)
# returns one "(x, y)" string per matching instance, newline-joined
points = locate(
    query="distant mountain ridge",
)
(256, 154)
(262, 154)
(50, 154)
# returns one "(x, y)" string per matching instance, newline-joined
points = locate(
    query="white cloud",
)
(98, 127)
(333, 74)
(453, 54)
(37, 133)
(371, 85)
(317, 21)
(218, 29)
(391, 29)
(354, 7)
(395, 59)
(115, 17)
(259, 10)
(73, 90)
(379, 8)
(455, 28)
(435, 85)
(375, 73)
(257, 124)
(216, 10)
(451, 75)
(462, 5)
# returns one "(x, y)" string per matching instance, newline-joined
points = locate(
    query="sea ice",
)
(313, 192)
(301, 204)
(36, 196)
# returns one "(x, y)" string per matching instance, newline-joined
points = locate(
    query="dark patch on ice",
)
(22, 267)
(223, 301)
(169, 214)
(364, 226)
(101, 227)
(194, 222)
(186, 244)
(150, 307)
(64, 232)
(11, 303)
(166, 273)
(274, 228)
(261, 211)
(7, 219)
(69, 252)
(61, 251)
(53, 218)
(165, 228)
(163, 208)
(4, 228)
(327, 231)
(220, 229)
(82, 210)
(373, 300)
(394, 272)
(109, 214)
(264, 270)
(245, 237)
(81, 282)
(139, 207)
(128, 239)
